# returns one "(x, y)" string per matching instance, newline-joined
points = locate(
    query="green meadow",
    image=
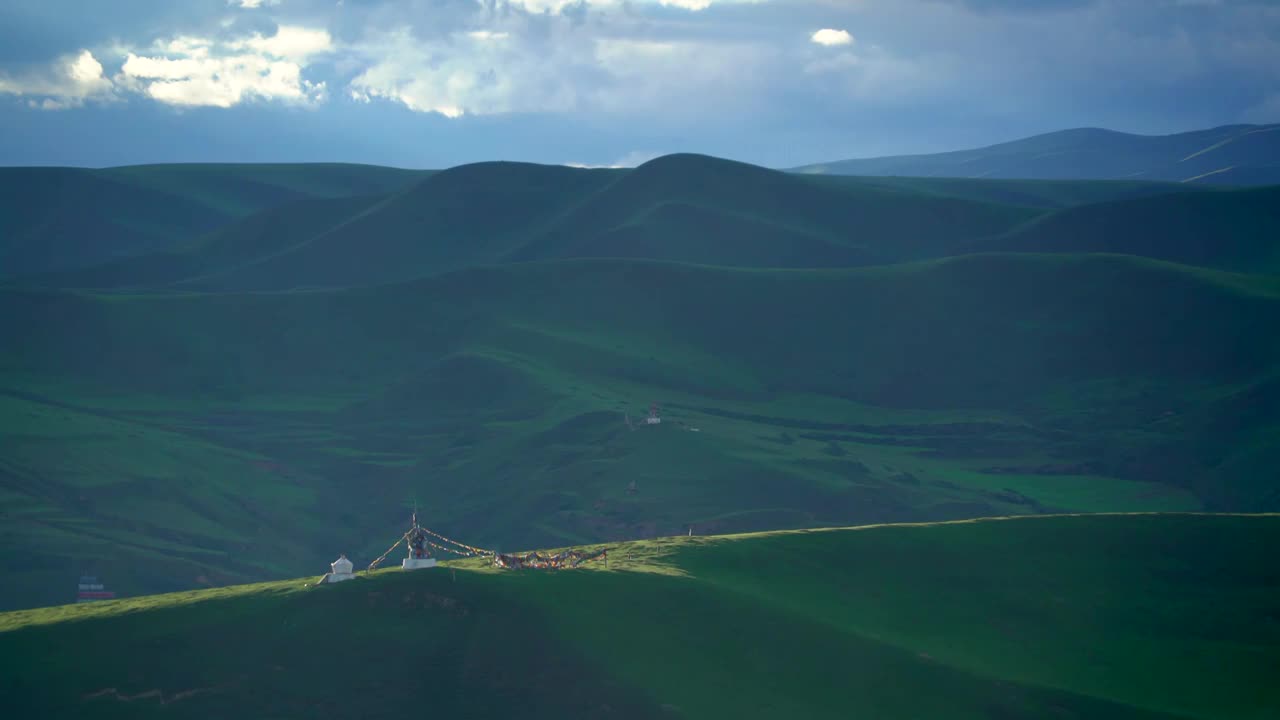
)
(297, 355)
(1102, 616)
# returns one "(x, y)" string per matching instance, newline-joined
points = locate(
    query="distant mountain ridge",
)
(1227, 155)
(689, 208)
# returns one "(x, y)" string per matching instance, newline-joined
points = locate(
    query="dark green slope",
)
(1046, 194)
(694, 208)
(1233, 153)
(680, 209)
(468, 215)
(985, 384)
(242, 189)
(1072, 617)
(953, 333)
(1237, 230)
(202, 261)
(58, 219)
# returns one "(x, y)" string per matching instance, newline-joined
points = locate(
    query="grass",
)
(1115, 616)
(1231, 231)
(306, 422)
(248, 402)
(61, 219)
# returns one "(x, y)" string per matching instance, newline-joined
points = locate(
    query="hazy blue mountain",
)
(1228, 155)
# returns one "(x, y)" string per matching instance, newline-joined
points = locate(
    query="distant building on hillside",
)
(339, 570)
(91, 590)
(654, 418)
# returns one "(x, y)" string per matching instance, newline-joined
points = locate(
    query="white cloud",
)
(680, 77)
(829, 37)
(545, 63)
(289, 42)
(67, 83)
(478, 72)
(630, 160)
(195, 71)
(694, 5)
(555, 6)
(251, 4)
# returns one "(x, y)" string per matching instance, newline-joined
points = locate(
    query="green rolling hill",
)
(1228, 155)
(690, 209)
(1233, 231)
(1044, 194)
(685, 208)
(162, 437)
(57, 219)
(1123, 616)
(342, 340)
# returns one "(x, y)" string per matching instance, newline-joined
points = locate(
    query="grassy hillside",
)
(1237, 231)
(56, 219)
(693, 209)
(464, 216)
(986, 384)
(1243, 154)
(254, 239)
(1045, 194)
(314, 366)
(1073, 617)
(242, 189)
(680, 208)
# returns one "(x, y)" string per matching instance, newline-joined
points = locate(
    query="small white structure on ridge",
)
(340, 570)
(419, 557)
(654, 418)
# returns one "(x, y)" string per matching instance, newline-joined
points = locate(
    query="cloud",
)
(288, 42)
(740, 78)
(521, 62)
(1022, 6)
(829, 37)
(199, 71)
(252, 4)
(630, 160)
(1265, 112)
(558, 6)
(68, 82)
(476, 72)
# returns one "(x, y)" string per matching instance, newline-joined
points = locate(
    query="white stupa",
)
(340, 570)
(419, 556)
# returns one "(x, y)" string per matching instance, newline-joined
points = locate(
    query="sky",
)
(780, 83)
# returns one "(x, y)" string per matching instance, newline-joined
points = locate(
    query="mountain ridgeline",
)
(222, 373)
(679, 208)
(1228, 155)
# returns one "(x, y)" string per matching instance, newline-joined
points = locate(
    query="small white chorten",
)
(418, 556)
(340, 570)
